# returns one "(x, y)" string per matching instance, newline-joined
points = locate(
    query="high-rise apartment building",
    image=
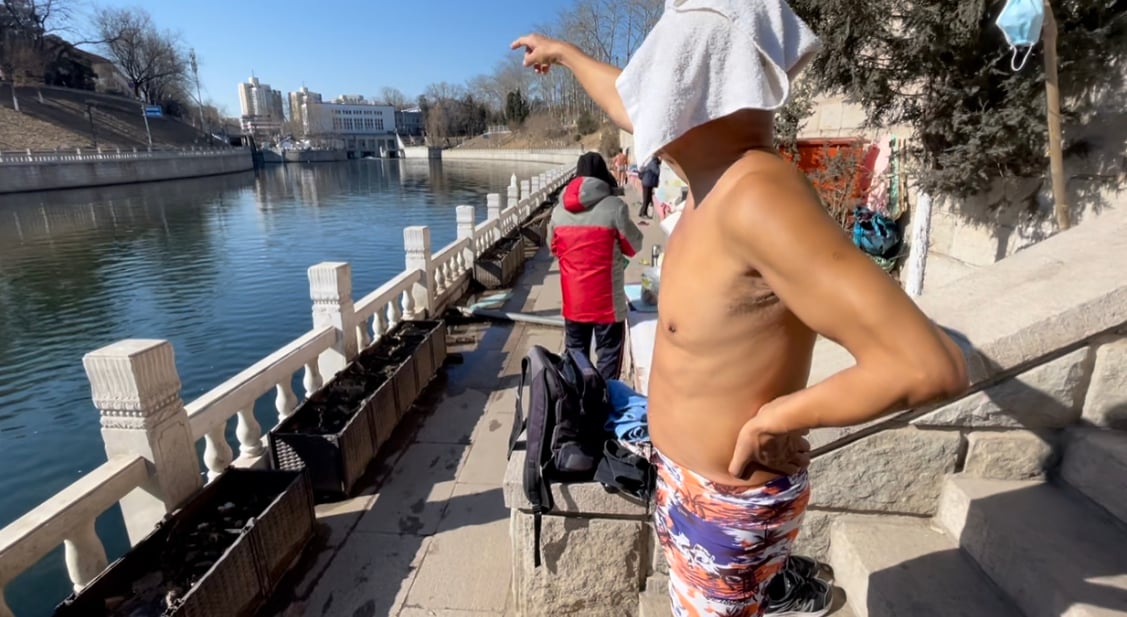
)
(261, 108)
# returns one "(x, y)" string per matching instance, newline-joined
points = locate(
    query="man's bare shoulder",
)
(768, 191)
(770, 207)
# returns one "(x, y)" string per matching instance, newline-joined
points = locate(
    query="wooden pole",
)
(1052, 98)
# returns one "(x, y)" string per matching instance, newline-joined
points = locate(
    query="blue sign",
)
(153, 111)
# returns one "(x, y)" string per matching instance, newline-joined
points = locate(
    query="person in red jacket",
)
(592, 235)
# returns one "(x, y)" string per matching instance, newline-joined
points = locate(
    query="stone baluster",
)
(416, 244)
(448, 270)
(312, 381)
(365, 333)
(526, 192)
(217, 454)
(249, 433)
(407, 302)
(136, 388)
(466, 230)
(285, 401)
(330, 288)
(84, 554)
(439, 279)
(394, 313)
(535, 184)
(379, 324)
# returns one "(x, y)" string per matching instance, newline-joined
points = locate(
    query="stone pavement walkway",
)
(428, 536)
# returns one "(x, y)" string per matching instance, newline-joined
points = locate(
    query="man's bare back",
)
(726, 345)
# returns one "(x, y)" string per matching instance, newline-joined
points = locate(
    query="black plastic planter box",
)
(417, 349)
(497, 267)
(336, 458)
(232, 542)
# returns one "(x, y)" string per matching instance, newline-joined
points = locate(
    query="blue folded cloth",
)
(627, 418)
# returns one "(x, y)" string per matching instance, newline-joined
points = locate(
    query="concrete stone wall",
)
(21, 177)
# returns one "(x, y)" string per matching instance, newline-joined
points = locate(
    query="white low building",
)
(361, 128)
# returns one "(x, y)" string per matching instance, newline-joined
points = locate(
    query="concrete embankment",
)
(565, 156)
(50, 172)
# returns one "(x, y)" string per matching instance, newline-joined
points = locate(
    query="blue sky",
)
(344, 46)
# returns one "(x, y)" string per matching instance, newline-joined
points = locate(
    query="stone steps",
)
(891, 566)
(1095, 463)
(1050, 551)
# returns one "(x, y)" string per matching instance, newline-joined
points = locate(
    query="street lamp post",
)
(199, 98)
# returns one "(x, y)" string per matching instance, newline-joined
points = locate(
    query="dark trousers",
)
(610, 340)
(647, 200)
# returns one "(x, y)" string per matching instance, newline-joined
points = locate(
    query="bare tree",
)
(395, 97)
(153, 61)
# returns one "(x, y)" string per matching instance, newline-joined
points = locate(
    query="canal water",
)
(217, 266)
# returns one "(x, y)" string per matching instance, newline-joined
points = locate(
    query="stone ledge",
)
(1046, 307)
(1047, 396)
(590, 567)
(898, 471)
(587, 498)
(1106, 402)
(1009, 455)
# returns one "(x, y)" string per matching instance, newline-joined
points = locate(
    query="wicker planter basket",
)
(221, 554)
(331, 433)
(496, 268)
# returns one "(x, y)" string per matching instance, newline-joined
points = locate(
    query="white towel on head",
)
(706, 59)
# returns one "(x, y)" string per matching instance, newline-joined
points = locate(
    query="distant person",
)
(651, 177)
(592, 235)
(620, 162)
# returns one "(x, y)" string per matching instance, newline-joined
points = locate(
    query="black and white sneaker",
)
(807, 568)
(790, 594)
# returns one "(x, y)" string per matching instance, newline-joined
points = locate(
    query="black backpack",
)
(566, 412)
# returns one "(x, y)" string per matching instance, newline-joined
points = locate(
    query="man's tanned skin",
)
(754, 271)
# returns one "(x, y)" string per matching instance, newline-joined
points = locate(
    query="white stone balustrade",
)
(379, 311)
(209, 414)
(150, 435)
(68, 518)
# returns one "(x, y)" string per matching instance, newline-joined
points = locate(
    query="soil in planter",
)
(190, 550)
(393, 349)
(499, 250)
(331, 410)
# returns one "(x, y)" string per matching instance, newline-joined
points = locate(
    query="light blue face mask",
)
(1021, 21)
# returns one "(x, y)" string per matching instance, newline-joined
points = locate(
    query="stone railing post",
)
(136, 388)
(416, 244)
(467, 230)
(535, 184)
(493, 205)
(512, 199)
(330, 288)
(526, 190)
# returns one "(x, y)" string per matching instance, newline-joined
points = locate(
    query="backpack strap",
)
(539, 423)
(519, 421)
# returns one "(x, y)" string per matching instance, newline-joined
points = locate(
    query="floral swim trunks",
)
(724, 543)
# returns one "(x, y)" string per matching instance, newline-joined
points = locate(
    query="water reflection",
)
(217, 266)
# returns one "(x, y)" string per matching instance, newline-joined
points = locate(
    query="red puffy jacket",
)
(590, 232)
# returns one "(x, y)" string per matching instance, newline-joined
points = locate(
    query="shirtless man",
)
(753, 272)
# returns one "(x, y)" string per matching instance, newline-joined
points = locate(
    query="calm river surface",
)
(217, 266)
